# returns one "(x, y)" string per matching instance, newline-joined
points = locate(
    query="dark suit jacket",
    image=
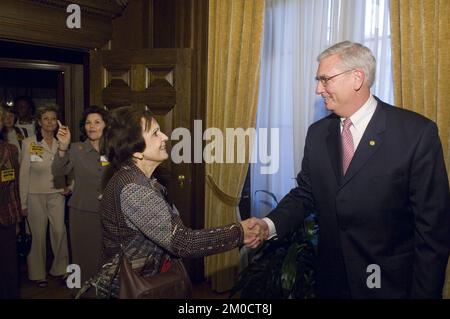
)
(392, 208)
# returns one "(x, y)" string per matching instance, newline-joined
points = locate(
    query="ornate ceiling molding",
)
(104, 8)
(44, 22)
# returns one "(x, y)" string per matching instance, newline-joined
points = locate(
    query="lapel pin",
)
(372, 143)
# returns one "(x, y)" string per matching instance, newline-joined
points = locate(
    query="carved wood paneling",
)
(132, 29)
(157, 56)
(117, 76)
(158, 78)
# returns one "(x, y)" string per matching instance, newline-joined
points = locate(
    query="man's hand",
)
(255, 232)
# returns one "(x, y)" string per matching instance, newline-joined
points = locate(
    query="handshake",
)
(255, 232)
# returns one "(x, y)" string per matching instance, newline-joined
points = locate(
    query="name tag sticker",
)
(36, 158)
(8, 175)
(36, 149)
(104, 160)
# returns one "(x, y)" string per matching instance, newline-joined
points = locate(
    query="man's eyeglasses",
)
(324, 79)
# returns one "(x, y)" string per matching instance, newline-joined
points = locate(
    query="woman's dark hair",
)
(27, 99)
(5, 108)
(40, 112)
(124, 137)
(9, 109)
(94, 109)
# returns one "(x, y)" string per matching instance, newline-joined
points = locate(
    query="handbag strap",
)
(23, 224)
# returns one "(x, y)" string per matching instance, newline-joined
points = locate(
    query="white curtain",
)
(295, 32)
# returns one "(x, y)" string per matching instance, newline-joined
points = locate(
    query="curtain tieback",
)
(224, 197)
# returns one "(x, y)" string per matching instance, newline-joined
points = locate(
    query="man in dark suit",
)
(375, 177)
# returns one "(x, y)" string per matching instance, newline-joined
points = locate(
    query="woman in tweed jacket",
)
(134, 199)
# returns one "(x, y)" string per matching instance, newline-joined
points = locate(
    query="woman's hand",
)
(66, 191)
(251, 234)
(63, 136)
(255, 232)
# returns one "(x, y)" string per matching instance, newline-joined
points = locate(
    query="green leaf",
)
(289, 269)
(282, 268)
(268, 193)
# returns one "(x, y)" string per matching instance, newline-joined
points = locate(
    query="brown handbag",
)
(172, 284)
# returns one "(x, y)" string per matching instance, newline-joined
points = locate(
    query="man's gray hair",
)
(353, 55)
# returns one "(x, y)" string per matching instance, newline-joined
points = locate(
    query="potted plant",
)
(282, 269)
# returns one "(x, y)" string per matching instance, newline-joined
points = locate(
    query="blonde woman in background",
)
(42, 197)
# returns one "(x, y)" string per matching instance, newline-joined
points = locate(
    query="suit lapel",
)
(369, 144)
(334, 147)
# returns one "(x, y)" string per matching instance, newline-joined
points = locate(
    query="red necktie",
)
(347, 145)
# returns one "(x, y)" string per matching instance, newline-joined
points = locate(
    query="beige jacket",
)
(35, 169)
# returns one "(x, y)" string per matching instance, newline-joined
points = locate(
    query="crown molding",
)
(44, 22)
(104, 8)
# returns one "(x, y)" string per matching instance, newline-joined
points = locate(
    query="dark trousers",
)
(86, 241)
(9, 270)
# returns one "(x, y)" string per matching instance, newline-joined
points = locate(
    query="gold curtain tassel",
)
(224, 197)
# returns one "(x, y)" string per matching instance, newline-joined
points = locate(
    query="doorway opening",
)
(47, 75)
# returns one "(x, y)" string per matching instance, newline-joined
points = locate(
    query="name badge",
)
(36, 158)
(36, 149)
(8, 175)
(104, 160)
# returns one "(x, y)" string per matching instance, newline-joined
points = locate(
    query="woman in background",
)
(25, 109)
(14, 135)
(42, 197)
(87, 162)
(10, 214)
